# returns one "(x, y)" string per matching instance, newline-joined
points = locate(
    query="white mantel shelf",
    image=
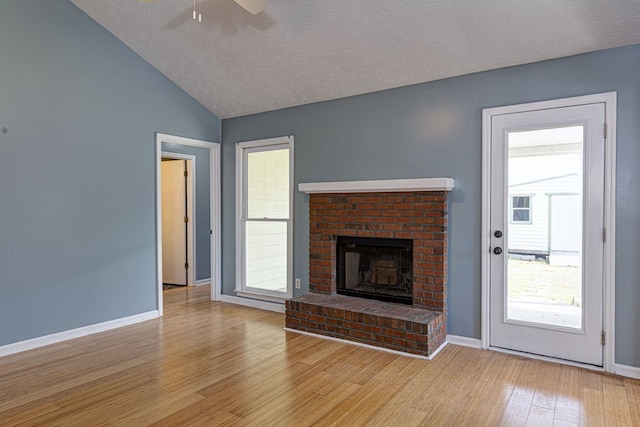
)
(378, 186)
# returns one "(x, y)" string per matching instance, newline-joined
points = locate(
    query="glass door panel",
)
(544, 227)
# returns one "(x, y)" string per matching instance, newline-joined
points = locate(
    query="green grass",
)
(537, 281)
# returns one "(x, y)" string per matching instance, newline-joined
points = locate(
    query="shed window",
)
(521, 209)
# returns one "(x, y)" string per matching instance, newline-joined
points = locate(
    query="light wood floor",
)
(209, 363)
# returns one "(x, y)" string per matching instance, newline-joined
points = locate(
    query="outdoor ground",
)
(537, 281)
(544, 294)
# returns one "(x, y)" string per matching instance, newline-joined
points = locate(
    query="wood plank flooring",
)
(215, 364)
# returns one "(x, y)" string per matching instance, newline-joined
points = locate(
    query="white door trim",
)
(191, 211)
(214, 199)
(610, 101)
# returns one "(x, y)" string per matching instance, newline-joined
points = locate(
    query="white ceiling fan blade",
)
(252, 6)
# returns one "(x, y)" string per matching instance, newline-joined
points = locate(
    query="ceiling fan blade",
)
(252, 6)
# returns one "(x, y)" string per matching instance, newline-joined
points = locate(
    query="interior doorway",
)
(178, 219)
(213, 200)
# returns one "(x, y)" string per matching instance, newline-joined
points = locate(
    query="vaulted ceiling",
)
(302, 51)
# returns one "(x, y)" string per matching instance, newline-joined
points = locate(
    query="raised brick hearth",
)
(417, 215)
(382, 324)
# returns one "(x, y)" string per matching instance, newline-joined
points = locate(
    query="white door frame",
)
(214, 210)
(191, 211)
(610, 101)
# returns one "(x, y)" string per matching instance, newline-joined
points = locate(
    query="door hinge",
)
(604, 234)
(186, 219)
(186, 173)
(603, 338)
(606, 128)
(186, 265)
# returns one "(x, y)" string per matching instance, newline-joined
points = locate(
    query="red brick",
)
(403, 234)
(393, 227)
(393, 198)
(417, 337)
(365, 233)
(382, 220)
(384, 207)
(403, 206)
(419, 215)
(319, 199)
(403, 219)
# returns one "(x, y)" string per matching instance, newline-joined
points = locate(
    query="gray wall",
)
(434, 129)
(77, 169)
(203, 206)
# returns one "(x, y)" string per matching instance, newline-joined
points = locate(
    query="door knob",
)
(497, 250)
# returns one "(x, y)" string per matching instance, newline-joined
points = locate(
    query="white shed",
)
(545, 218)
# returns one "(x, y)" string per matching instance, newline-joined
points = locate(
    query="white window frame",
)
(530, 209)
(242, 149)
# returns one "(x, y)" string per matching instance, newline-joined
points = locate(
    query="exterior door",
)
(546, 280)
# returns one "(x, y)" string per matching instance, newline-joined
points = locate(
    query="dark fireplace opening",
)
(375, 268)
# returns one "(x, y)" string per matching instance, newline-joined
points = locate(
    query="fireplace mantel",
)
(378, 186)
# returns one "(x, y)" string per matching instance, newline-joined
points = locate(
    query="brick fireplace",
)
(414, 210)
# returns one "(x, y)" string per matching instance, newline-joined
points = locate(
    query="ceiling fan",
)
(252, 6)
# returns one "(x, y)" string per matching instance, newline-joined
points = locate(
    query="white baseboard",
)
(627, 371)
(443, 345)
(464, 341)
(76, 333)
(262, 305)
(359, 344)
(203, 282)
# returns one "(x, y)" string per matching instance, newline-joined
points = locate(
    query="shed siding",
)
(535, 236)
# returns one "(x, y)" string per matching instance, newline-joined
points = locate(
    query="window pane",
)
(521, 215)
(520, 201)
(268, 184)
(266, 255)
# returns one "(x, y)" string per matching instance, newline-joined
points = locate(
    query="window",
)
(264, 225)
(521, 209)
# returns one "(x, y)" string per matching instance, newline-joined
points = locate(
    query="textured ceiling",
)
(302, 51)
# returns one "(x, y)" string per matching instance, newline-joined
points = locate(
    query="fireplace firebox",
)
(375, 268)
